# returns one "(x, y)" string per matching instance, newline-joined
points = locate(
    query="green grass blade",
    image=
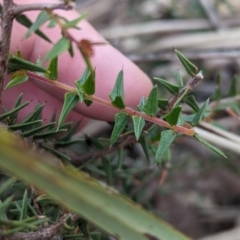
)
(100, 205)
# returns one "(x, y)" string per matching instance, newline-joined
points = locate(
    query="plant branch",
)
(128, 110)
(18, 9)
(79, 160)
(7, 22)
(183, 92)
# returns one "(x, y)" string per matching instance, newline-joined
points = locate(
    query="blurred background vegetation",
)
(201, 193)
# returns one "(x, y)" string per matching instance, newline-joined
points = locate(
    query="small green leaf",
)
(48, 134)
(200, 114)
(62, 156)
(233, 88)
(13, 111)
(120, 158)
(142, 104)
(68, 143)
(25, 21)
(173, 116)
(16, 64)
(73, 23)
(179, 80)
(19, 55)
(43, 17)
(217, 93)
(81, 95)
(52, 70)
(35, 115)
(167, 137)
(121, 121)
(172, 88)
(108, 170)
(144, 144)
(87, 82)
(162, 103)
(88, 102)
(22, 126)
(210, 145)
(70, 132)
(37, 130)
(188, 65)
(6, 184)
(191, 102)
(52, 23)
(117, 94)
(189, 118)
(70, 50)
(12, 119)
(17, 79)
(61, 46)
(138, 123)
(151, 106)
(83, 226)
(70, 101)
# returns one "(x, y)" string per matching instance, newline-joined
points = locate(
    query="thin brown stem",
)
(79, 160)
(18, 9)
(130, 111)
(7, 22)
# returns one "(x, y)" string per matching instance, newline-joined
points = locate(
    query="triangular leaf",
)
(188, 65)
(43, 17)
(142, 104)
(179, 80)
(200, 114)
(52, 70)
(17, 79)
(73, 23)
(172, 88)
(173, 116)
(191, 102)
(151, 106)
(108, 170)
(16, 64)
(52, 23)
(189, 118)
(25, 21)
(81, 95)
(145, 146)
(70, 101)
(88, 102)
(138, 123)
(87, 82)
(117, 94)
(70, 50)
(61, 46)
(210, 145)
(217, 93)
(121, 121)
(167, 137)
(233, 88)
(162, 103)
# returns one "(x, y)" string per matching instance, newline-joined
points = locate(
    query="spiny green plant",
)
(155, 121)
